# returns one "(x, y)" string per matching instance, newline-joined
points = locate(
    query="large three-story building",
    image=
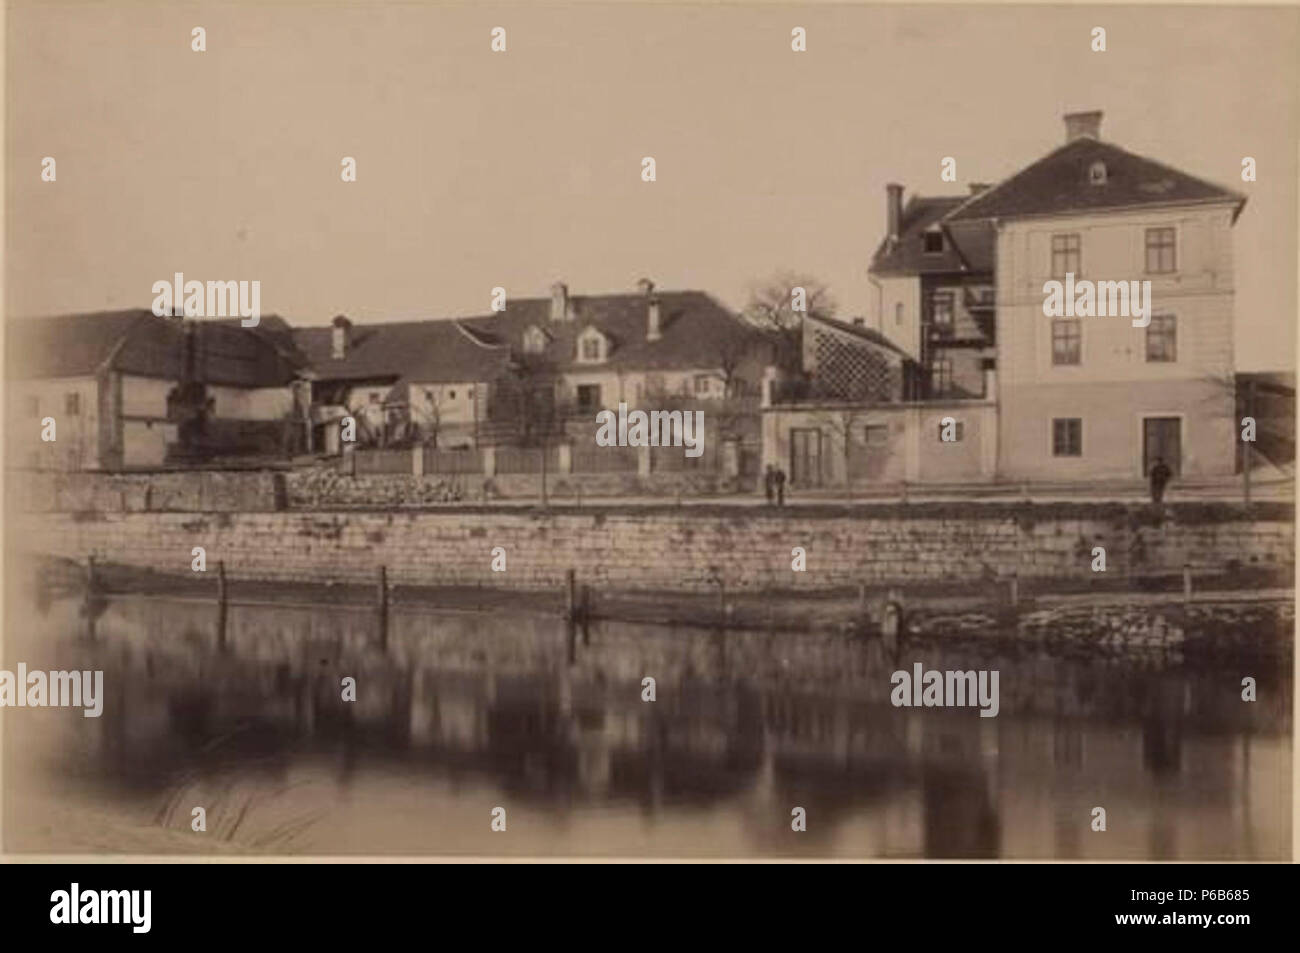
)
(1096, 396)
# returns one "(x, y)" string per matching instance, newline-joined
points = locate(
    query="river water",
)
(458, 714)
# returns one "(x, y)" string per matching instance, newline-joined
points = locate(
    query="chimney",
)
(653, 330)
(341, 338)
(559, 301)
(977, 187)
(893, 210)
(1078, 125)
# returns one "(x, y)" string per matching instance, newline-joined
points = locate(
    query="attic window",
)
(591, 347)
(933, 242)
(534, 340)
(1097, 173)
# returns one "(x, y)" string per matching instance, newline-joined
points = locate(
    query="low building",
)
(856, 417)
(427, 381)
(540, 365)
(129, 389)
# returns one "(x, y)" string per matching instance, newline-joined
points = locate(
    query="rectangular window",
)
(1066, 342)
(72, 405)
(703, 383)
(1066, 255)
(934, 242)
(591, 349)
(588, 396)
(1067, 437)
(941, 376)
(875, 435)
(1161, 253)
(1162, 338)
(941, 309)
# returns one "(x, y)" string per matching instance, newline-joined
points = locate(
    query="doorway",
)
(805, 457)
(1162, 439)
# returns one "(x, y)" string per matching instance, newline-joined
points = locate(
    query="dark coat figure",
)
(780, 486)
(1160, 476)
(769, 482)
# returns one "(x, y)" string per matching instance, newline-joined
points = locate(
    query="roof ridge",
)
(472, 337)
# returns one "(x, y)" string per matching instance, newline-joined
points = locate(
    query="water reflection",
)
(461, 712)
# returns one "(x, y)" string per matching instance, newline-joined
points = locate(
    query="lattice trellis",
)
(852, 368)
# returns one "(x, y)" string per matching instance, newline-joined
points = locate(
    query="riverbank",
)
(1246, 611)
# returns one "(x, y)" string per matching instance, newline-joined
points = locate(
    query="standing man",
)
(1160, 475)
(780, 486)
(769, 483)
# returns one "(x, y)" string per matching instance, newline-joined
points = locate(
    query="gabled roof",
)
(1060, 184)
(77, 345)
(430, 351)
(138, 342)
(695, 332)
(967, 249)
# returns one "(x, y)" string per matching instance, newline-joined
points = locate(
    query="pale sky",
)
(478, 169)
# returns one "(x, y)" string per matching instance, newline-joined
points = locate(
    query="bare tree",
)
(778, 305)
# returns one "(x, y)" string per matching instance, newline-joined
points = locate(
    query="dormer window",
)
(591, 347)
(933, 242)
(1097, 173)
(534, 341)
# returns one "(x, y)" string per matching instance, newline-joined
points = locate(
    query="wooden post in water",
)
(1187, 582)
(382, 605)
(222, 599)
(571, 594)
(586, 614)
(88, 605)
(1015, 589)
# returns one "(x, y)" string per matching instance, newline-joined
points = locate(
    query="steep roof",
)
(695, 331)
(77, 345)
(869, 335)
(429, 351)
(139, 342)
(1060, 183)
(969, 248)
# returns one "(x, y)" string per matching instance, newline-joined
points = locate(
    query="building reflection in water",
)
(465, 709)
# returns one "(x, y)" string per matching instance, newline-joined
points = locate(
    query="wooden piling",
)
(222, 602)
(1014, 586)
(571, 594)
(1187, 582)
(381, 606)
(586, 614)
(89, 605)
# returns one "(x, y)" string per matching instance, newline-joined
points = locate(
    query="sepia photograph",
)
(664, 432)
